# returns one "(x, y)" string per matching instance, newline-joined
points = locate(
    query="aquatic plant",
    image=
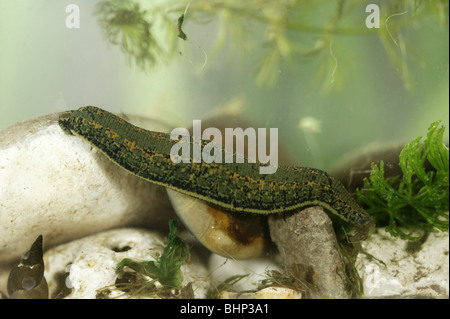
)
(419, 198)
(165, 268)
(279, 33)
(156, 278)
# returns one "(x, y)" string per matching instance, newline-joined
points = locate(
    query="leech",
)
(237, 187)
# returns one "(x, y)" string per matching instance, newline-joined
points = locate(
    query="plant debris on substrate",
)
(155, 278)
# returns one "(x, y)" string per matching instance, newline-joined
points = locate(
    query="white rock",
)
(59, 186)
(419, 274)
(90, 261)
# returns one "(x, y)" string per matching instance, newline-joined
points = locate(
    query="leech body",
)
(234, 186)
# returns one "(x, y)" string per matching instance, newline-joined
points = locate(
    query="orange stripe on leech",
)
(96, 125)
(131, 145)
(112, 134)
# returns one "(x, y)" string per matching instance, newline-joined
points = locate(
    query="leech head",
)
(65, 121)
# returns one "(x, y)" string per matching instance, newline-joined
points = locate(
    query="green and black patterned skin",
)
(236, 187)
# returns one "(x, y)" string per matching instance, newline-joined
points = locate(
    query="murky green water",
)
(313, 70)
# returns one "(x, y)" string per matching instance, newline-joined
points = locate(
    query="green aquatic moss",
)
(165, 268)
(141, 278)
(417, 200)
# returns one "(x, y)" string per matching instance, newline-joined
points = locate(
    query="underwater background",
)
(312, 69)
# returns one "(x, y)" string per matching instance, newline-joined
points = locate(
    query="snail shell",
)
(26, 279)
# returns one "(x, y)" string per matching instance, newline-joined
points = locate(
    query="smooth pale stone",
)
(232, 235)
(60, 186)
(90, 261)
(407, 274)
